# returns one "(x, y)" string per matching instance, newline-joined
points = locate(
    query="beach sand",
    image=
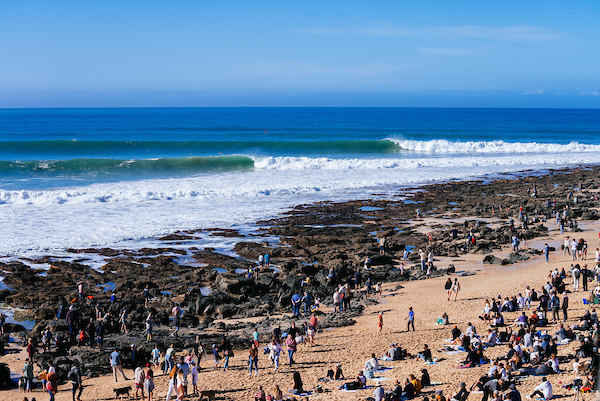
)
(352, 346)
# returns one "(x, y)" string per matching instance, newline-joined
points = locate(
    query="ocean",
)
(75, 178)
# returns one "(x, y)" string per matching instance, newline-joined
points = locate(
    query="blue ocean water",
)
(87, 177)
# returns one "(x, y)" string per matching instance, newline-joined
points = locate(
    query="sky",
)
(267, 53)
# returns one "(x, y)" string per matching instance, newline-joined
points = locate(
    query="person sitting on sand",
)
(260, 395)
(455, 333)
(498, 320)
(425, 379)
(439, 396)
(394, 353)
(461, 394)
(339, 375)
(373, 363)
(277, 394)
(425, 354)
(409, 389)
(416, 384)
(297, 383)
(443, 320)
(492, 338)
(396, 392)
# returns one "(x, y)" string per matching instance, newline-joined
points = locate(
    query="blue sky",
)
(351, 53)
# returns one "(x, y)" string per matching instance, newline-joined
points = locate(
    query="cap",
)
(438, 392)
(462, 384)
(132, 345)
(512, 387)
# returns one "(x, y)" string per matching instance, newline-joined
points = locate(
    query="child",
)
(380, 322)
(216, 356)
(149, 383)
(194, 378)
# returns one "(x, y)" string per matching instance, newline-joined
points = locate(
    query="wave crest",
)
(446, 147)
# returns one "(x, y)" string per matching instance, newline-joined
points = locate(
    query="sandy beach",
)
(351, 346)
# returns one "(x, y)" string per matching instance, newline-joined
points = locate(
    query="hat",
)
(71, 307)
(438, 392)
(392, 344)
(132, 345)
(512, 387)
(338, 365)
(148, 365)
(462, 384)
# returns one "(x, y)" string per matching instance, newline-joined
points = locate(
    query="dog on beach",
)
(119, 392)
(209, 394)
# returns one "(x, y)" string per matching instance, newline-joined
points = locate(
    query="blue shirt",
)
(295, 299)
(411, 315)
(115, 358)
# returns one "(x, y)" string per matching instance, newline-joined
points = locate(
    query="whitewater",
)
(121, 213)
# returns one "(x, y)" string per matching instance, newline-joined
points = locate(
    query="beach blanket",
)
(300, 396)
(382, 368)
(454, 352)
(379, 379)
(430, 363)
(354, 391)
(436, 383)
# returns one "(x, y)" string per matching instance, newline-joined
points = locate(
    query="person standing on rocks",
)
(169, 359)
(176, 319)
(306, 303)
(123, 321)
(382, 246)
(71, 319)
(296, 305)
(115, 363)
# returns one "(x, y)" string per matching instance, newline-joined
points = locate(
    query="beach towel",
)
(454, 352)
(380, 379)
(431, 363)
(300, 396)
(354, 391)
(382, 368)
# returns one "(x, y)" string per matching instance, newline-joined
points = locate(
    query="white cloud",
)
(590, 93)
(537, 92)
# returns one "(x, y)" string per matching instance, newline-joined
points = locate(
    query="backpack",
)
(577, 273)
(71, 376)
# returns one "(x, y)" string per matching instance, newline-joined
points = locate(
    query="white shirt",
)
(546, 389)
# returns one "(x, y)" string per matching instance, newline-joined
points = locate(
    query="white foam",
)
(469, 147)
(110, 213)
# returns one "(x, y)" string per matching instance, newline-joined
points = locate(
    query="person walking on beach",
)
(253, 360)
(380, 324)
(455, 288)
(410, 318)
(74, 377)
(448, 287)
(115, 364)
(547, 252)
